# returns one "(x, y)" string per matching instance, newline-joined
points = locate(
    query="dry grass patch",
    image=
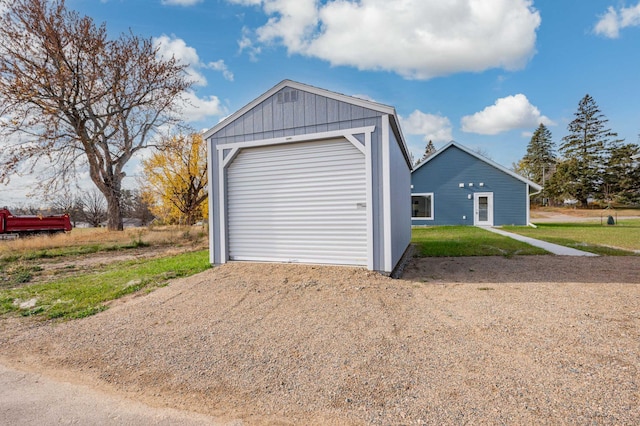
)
(91, 240)
(27, 261)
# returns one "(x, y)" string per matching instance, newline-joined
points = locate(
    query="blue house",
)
(456, 186)
(303, 174)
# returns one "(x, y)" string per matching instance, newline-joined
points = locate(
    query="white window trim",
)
(424, 194)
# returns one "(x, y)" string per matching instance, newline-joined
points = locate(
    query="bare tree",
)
(68, 203)
(25, 209)
(70, 98)
(94, 210)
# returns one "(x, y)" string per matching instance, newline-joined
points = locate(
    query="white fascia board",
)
(385, 109)
(481, 158)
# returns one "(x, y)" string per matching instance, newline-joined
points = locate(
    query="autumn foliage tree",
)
(175, 180)
(72, 99)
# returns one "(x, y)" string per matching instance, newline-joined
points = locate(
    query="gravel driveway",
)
(485, 340)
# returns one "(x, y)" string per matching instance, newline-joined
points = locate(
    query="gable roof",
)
(384, 109)
(481, 158)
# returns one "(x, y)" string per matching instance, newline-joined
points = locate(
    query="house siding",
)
(452, 205)
(400, 208)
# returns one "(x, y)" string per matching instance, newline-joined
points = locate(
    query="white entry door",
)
(483, 208)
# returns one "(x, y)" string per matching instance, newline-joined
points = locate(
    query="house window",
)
(422, 206)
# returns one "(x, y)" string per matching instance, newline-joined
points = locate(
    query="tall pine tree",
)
(539, 160)
(622, 175)
(589, 143)
(429, 150)
(540, 155)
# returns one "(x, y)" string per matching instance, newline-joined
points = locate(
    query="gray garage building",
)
(302, 174)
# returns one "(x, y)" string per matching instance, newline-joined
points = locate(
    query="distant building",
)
(456, 186)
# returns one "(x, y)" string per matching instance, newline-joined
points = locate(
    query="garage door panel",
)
(303, 202)
(318, 174)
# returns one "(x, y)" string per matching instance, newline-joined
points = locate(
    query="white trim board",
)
(349, 134)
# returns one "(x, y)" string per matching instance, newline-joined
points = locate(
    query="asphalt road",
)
(31, 399)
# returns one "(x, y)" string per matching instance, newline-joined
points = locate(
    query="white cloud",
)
(415, 38)
(177, 48)
(610, 23)
(222, 67)
(509, 113)
(246, 44)
(432, 127)
(180, 2)
(195, 109)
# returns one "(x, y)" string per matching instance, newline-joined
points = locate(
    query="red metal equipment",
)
(26, 225)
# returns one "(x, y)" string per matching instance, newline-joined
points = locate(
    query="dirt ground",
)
(479, 340)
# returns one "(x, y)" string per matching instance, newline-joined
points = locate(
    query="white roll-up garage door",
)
(299, 202)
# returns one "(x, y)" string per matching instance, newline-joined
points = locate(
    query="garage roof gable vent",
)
(288, 96)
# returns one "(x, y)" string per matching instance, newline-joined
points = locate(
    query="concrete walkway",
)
(550, 247)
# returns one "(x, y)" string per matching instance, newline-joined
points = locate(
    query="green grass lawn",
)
(86, 294)
(467, 241)
(620, 239)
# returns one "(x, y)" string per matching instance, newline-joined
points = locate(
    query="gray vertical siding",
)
(400, 200)
(310, 113)
(444, 173)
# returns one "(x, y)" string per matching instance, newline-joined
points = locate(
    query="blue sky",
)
(481, 72)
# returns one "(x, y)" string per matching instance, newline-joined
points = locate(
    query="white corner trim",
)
(386, 192)
(368, 159)
(222, 217)
(210, 200)
(528, 219)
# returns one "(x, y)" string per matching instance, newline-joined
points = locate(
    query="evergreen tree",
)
(622, 175)
(588, 143)
(540, 155)
(537, 163)
(429, 150)
(564, 181)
